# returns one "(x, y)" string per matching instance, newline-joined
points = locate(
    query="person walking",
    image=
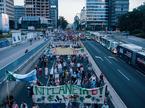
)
(24, 105)
(46, 72)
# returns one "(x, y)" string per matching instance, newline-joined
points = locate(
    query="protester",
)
(40, 72)
(105, 105)
(46, 72)
(101, 81)
(36, 67)
(24, 105)
(35, 105)
(15, 105)
(60, 68)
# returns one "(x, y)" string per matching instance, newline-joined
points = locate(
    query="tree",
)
(62, 23)
(134, 21)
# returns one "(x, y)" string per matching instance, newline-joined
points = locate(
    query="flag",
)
(29, 77)
(10, 77)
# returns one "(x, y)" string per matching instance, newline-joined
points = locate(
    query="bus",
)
(110, 44)
(128, 52)
(140, 61)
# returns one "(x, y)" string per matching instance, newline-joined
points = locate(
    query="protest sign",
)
(65, 93)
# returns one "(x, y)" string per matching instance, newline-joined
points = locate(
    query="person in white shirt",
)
(46, 71)
(105, 106)
(24, 105)
(59, 67)
(51, 72)
(78, 65)
(64, 65)
(55, 70)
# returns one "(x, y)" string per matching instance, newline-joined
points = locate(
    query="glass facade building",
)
(19, 12)
(119, 7)
(103, 14)
(96, 14)
(54, 12)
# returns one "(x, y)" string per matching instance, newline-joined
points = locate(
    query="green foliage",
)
(134, 21)
(62, 23)
(9, 35)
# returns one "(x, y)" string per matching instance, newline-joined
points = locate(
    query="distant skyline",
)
(70, 8)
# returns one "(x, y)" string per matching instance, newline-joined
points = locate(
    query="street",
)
(14, 52)
(126, 80)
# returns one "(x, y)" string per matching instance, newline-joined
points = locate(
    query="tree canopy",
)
(62, 23)
(134, 21)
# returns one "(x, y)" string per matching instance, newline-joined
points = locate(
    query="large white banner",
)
(65, 93)
(16, 37)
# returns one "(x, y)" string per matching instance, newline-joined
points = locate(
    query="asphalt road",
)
(126, 80)
(12, 53)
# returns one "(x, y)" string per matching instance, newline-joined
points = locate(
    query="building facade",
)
(83, 18)
(96, 14)
(37, 8)
(19, 12)
(54, 12)
(7, 7)
(37, 22)
(118, 8)
(104, 14)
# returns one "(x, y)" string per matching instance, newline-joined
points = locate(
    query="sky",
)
(70, 8)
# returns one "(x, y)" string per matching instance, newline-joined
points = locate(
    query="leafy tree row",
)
(62, 23)
(134, 21)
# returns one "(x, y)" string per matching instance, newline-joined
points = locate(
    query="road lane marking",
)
(122, 74)
(98, 57)
(112, 58)
(140, 72)
(108, 60)
(116, 100)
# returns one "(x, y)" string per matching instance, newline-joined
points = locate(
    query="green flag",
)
(10, 77)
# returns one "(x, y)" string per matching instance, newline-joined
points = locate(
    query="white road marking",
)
(98, 57)
(122, 74)
(140, 73)
(112, 58)
(108, 60)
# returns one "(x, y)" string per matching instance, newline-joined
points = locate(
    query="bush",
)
(142, 35)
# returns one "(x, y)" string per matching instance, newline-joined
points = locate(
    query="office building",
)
(19, 12)
(104, 14)
(118, 8)
(37, 8)
(54, 12)
(7, 7)
(83, 18)
(96, 14)
(36, 22)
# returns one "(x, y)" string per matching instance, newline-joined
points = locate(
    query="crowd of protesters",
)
(65, 69)
(69, 69)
